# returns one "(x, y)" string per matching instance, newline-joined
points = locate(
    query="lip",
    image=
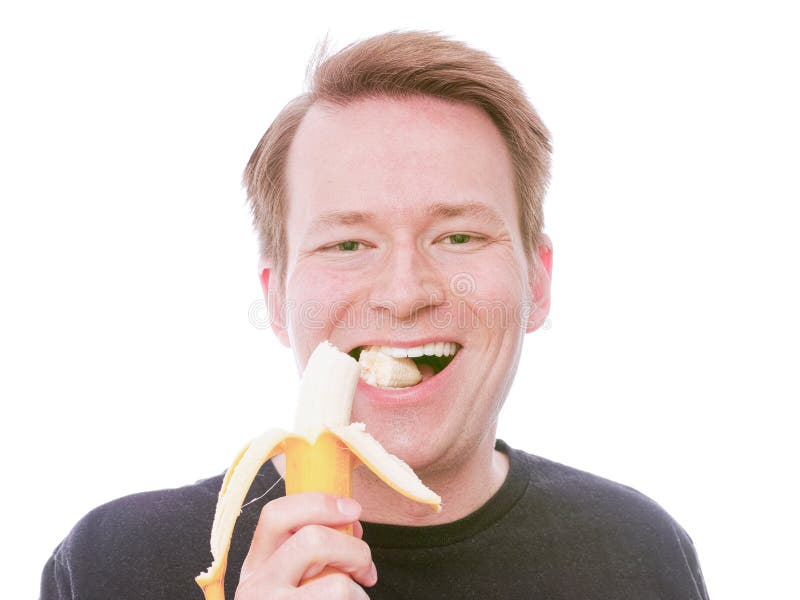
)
(432, 388)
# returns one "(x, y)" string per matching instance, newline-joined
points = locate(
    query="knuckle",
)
(268, 511)
(251, 592)
(271, 518)
(364, 554)
(312, 536)
(341, 586)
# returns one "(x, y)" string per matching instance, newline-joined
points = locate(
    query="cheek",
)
(496, 298)
(321, 300)
(310, 286)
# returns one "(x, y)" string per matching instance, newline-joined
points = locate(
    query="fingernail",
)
(373, 574)
(348, 507)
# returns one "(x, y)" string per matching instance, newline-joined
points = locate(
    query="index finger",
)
(281, 517)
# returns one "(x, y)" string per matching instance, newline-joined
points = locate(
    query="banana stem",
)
(214, 589)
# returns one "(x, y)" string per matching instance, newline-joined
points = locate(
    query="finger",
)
(335, 585)
(284, 516)
(305, 554)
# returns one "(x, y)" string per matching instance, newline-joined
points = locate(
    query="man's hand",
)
(293, 543)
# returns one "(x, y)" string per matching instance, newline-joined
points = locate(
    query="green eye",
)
(459, 238)
(348, 246)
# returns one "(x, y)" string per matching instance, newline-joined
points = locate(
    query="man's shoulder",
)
(148, 535)
(579, 493)
(140, 511)
(151, 544)
(587, 510)
(597, 528)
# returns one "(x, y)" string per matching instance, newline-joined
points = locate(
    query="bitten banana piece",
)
(320, 455)
(382, 370)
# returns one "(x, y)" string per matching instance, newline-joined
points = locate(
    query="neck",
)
(464, 487)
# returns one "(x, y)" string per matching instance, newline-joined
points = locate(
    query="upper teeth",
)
(431, 349)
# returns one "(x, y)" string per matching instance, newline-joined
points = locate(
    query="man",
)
(399, 205)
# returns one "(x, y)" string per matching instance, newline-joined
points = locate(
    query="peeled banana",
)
(320, 454)
(383, 370)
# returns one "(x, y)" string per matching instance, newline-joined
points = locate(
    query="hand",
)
(293, 543)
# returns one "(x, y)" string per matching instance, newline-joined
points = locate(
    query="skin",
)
(394, 277)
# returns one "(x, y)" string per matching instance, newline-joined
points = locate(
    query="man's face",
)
(402, 230)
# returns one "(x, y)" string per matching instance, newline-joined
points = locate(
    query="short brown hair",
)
(401, 64)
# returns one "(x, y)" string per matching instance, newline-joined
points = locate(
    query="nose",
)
(407, 284)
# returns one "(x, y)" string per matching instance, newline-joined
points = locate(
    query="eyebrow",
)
(485, 212)
(441, 210)
(333, 218)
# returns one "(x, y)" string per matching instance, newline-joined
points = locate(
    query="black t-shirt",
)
(550, 532)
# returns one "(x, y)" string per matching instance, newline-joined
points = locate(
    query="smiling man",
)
(399, 210)
(412, 192)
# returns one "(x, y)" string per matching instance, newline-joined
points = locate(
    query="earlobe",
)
(540, 274)
(273, 296)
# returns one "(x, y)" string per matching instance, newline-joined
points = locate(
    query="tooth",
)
(451, 349)
(416, 351)
(439, 350)
(429, 348)
(396, 352)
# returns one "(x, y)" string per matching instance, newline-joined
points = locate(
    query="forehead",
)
(396, 156)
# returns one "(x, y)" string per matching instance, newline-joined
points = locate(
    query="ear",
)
(539, 274)
(275, 300)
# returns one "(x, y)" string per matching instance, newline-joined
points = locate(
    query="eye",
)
(458, 238)
(348, 246)
(345, 246)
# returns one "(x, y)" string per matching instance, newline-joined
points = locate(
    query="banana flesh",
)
(381, 370)
(326, 391)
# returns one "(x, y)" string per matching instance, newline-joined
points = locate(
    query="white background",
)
(129, 359)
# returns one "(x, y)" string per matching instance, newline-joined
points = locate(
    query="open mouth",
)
(394, 367)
